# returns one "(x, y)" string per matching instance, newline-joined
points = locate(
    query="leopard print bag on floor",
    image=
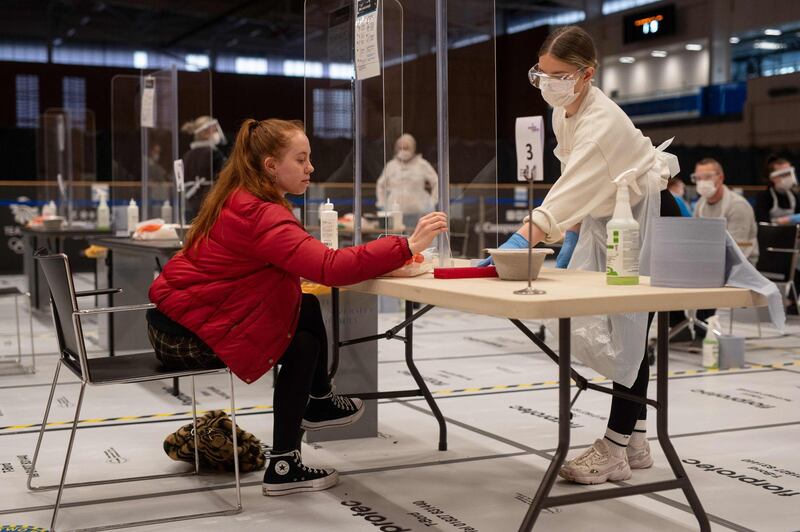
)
(215, 445)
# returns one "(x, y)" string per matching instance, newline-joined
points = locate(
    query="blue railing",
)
(712, 100)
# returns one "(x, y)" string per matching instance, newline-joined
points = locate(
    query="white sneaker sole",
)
(644, 463)
(613, 476)
(341, 422)
(319, 484)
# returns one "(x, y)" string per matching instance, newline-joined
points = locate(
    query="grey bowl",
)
(54, 223)
(512, 264)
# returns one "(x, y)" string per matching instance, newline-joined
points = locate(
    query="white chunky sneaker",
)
(596, 465)
(639, 456)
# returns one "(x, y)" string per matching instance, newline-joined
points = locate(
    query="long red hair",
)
(255, 141)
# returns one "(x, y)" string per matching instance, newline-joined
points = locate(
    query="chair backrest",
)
(777, 256)
(63, 301)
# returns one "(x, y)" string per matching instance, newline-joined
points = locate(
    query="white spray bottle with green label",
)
(622, 233)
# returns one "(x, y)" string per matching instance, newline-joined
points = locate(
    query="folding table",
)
(568, 294)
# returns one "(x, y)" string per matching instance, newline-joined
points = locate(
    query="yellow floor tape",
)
(466, 391)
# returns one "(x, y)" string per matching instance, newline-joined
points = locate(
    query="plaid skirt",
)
(182, 352)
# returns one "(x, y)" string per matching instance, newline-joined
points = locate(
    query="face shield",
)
(212, 131)
(784, 178)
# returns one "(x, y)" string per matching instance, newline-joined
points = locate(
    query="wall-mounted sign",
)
(650, 24)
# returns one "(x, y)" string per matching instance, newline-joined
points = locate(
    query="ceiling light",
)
(734, 40)
(773, 32)
(693, 47)
(769, 45)
(659, 53)
(627, 59)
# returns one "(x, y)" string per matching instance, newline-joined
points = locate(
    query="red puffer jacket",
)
(239, 290)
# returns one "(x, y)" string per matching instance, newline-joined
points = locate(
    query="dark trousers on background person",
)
(624, 413)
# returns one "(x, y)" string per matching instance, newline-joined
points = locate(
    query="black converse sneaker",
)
(286, 474)
(331, 410)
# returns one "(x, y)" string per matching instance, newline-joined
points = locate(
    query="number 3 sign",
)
(530, 143)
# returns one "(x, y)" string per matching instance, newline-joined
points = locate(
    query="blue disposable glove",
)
(794, 219)
(570, 239)
(516, 241)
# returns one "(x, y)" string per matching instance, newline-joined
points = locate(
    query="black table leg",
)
(549, 479)
(662, 425)
(420, 381)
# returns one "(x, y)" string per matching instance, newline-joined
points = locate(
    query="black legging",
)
(303, 371)
(624, 413)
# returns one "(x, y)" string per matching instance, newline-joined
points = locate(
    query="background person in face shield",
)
(780, 202)
(408, 182)
(203, 161)
(596, 142)
(718, 201)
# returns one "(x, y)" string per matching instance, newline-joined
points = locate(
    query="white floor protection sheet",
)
(736, 432)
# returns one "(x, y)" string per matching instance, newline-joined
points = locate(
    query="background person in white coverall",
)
(596, 143)
(407, 183)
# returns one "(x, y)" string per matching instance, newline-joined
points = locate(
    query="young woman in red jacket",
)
(232, 295)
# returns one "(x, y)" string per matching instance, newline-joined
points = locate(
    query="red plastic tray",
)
(470, 272)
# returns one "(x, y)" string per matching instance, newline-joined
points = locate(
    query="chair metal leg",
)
(69, 455)
(235, 449)
(794, 293)
(30, 327)
(19, 336)
(42, 429)
(194, 431)
(730, 326)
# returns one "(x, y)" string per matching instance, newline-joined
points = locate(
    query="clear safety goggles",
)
(703, 176)
(214, 127)
(539, 78)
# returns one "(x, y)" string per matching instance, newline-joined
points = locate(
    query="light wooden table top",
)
(570, 293)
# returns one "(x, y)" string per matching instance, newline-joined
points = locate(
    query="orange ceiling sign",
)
(648, 20)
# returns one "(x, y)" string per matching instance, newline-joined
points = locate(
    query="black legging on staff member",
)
(624, 413)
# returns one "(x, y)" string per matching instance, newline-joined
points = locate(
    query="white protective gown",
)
(404, 183)
(595, 145)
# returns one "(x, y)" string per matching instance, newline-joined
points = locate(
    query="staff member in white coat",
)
(408, 182)
(596, 142)
(780, 203)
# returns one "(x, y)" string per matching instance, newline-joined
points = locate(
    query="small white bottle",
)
(50, 209)
(395, 218)
(166, 212)
(329, 225)
(711, 345)
(133, 216)
(103, 214)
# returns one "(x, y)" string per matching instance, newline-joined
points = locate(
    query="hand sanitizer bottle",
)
(50, 209)
(329, 225)
(133, 216)
(103, 214)
(711, 344)
(166, 212)
(622, 233)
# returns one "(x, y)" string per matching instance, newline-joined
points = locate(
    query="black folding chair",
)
(103, 370)
(777, 259)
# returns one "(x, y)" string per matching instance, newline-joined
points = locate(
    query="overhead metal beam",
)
(210, 23)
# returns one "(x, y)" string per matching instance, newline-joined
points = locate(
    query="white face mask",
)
(558, 92)
(404, 155)
(786, 183)
(706, 188)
